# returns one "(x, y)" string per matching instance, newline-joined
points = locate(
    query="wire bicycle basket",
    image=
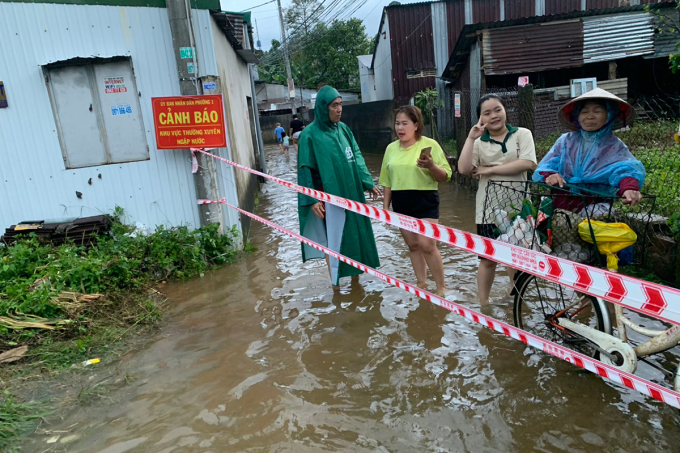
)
(546, 218)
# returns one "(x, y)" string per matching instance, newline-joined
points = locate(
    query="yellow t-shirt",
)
(400, 170)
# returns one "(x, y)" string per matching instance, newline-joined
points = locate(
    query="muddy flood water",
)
(261, 356)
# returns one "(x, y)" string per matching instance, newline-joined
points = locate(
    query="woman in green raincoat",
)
(329, 160)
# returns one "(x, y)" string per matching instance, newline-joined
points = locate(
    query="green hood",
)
(324, 98)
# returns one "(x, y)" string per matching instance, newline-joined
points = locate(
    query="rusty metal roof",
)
(469, 33)
(533, 48)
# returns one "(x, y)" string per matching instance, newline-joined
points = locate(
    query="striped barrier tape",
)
(605, 371)
(658, 301)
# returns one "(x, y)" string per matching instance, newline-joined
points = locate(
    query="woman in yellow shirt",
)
(410, 175)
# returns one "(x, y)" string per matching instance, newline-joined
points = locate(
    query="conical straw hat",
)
(567, 114)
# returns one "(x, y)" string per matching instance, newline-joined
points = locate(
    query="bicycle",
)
(563, 315)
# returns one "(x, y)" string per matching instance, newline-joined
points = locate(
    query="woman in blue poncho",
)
(591, 153)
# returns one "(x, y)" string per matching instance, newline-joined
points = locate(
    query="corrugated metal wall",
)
(602, 4)
(455, 13)
(441, 57)
(412, 49)
(608, 38)
(516, 9)
(382, 64)
(561, 6)
(533, 48)
(35, 184)
(486, 10)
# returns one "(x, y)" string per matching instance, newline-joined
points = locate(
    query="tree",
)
(274, 72)
(328, 54)
(331, 53)
(299, 15)
(669, 24)
(428, 101)
(272, 68)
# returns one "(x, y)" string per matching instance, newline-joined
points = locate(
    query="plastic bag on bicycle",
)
(610, 238)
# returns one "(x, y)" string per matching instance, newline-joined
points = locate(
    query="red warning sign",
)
(189, 122)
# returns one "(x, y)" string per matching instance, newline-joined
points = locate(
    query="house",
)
(78, 132)
(415, 41)
(273, 99)
(565, 55)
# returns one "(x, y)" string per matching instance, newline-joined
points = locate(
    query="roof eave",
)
(463, 45)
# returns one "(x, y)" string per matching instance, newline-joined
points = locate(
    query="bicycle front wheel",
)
(539, 303)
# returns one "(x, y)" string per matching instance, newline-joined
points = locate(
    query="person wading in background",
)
(279, 138)
(296, 128)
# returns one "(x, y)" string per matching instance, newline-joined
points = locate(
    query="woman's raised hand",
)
(477, 130)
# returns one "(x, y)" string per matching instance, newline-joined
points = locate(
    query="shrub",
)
(33, 273)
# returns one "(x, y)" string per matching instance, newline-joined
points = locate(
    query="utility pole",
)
(205, 179)
(286, 57)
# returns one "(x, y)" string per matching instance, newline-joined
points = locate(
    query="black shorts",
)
(486, 230)
(421, 204)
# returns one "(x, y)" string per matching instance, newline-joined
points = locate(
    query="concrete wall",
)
(372, 124)
(235, 79)
(268, 124)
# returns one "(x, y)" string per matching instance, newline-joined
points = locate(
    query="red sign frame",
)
(182, 122)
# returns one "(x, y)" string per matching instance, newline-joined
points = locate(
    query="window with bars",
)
(421, 73)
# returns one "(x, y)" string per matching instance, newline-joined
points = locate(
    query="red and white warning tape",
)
(656, 300)
(605, 371)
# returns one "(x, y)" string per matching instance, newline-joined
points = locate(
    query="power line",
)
(299, 45)
(277, 55)
(261, 4)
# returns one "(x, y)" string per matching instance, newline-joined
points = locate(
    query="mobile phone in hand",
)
(425, 152)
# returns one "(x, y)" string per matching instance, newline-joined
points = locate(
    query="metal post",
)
(286, 57)
(527, 115)
(205, 179)
(256, 114)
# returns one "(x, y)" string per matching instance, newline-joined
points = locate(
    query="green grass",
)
(43, 283)
(450, 147)
(17, 419)
(653, 144)
(34, 274)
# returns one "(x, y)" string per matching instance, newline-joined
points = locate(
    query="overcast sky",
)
(267, 18)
